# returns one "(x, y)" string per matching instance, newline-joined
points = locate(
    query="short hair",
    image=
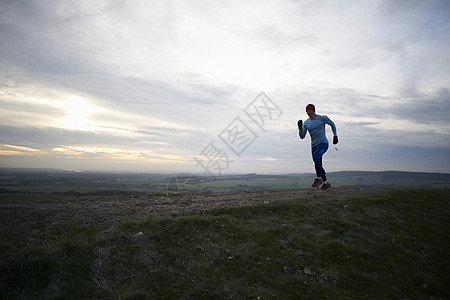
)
(310, 107)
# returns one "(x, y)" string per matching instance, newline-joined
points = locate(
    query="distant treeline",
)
(3, 191)
(98, 193)
(80, 194)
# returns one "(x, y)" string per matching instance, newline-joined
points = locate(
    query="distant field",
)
(344, 243)
(103, 184)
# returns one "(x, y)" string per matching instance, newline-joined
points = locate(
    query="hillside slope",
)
(346, 243)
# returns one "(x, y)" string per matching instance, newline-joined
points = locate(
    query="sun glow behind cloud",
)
(78, 111)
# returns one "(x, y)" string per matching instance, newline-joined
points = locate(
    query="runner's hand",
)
(335, 140)
(300, 124)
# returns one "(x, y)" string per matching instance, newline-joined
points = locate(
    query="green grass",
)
(387, 244)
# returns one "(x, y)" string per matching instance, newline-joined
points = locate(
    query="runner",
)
(315, 125)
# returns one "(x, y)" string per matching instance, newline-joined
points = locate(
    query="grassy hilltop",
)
(346, 243)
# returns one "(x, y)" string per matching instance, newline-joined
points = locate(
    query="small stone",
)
(307, 271)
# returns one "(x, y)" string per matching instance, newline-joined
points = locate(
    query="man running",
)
(315, 125)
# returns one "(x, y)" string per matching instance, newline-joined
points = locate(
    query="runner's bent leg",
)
(317, 153)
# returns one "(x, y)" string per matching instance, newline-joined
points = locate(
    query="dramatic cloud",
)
(156, 85)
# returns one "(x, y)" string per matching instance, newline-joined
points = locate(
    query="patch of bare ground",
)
(119, 208)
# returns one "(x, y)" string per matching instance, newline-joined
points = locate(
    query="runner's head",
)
(311, 110)
(310, 106)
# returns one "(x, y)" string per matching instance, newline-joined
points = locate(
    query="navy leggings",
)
(317, 153)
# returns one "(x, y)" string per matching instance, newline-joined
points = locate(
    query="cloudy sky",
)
(176, 85)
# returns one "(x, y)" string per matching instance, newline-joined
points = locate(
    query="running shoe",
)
(316, 183)
(325, 186)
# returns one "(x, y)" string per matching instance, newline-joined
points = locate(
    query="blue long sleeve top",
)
(316, 129)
